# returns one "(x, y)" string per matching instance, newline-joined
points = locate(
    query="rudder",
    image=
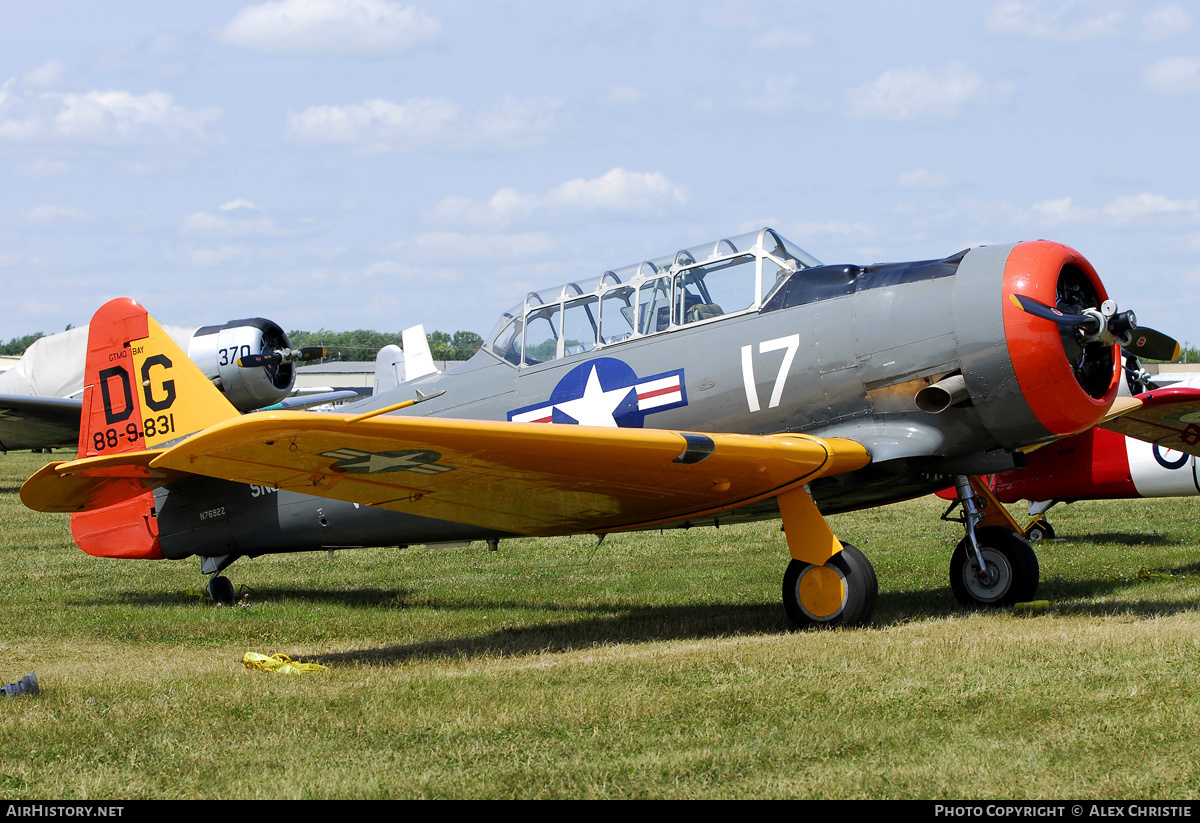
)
(134, 380)
(141, 391)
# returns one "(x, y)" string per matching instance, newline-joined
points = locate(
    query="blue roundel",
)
(606, 392)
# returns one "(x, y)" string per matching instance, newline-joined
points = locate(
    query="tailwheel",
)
(1039, 530)
(220, 589)
(840, 593)
(1010, 573)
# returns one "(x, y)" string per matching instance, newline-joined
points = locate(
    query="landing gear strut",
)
(828, 583)
(993, 565)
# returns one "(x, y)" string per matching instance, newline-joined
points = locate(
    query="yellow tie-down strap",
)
(279, 663)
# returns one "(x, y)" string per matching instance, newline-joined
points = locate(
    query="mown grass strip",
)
(655, 666)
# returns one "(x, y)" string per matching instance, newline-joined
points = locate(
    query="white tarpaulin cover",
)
(53, 365)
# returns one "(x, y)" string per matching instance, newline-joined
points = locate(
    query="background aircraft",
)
(732, 381)
(1157, 459)
(39, 397)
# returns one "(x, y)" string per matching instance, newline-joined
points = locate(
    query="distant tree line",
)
(362, 344)
(18, 345)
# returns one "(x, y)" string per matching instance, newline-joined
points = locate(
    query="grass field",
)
(653, 666)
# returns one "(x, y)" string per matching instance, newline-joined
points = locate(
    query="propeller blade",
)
(282, 356)
(1153, 344)
(1037, 309)
(252, 360)
(311, 353)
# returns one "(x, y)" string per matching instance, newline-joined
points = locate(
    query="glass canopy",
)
(728, 277)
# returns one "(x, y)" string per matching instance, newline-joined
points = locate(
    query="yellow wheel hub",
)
(822, 592)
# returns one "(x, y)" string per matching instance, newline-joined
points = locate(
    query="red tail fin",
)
(134, 380)
(140, 391)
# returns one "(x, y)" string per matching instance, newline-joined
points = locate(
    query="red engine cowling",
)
(1069, 386)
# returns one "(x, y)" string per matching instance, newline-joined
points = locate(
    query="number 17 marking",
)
(790, 343)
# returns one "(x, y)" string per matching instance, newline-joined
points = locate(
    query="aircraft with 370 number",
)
(737, 380)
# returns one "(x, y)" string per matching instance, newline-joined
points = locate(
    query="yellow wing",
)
(526, 478)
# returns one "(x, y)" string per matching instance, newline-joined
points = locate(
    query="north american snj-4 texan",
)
(738, 380)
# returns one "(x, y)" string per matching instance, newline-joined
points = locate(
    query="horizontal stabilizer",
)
(94, 482)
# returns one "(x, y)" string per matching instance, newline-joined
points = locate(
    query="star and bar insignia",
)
(606, 392)
(419, 461)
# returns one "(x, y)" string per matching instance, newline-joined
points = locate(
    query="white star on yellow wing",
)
(596, 406)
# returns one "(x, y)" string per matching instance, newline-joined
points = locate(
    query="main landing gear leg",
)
(993, 565)
(828, 583)
(220, 588)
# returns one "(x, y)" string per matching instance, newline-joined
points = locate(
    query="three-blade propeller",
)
(280, 356)
(1106, 325)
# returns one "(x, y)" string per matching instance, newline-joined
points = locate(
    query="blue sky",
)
(375, 164)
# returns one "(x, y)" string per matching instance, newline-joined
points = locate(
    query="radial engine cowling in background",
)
(216, 349)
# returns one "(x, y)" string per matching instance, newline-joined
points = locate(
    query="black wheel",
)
(1039, 530)
(840, 593)
(1010, 576)
(220, 589)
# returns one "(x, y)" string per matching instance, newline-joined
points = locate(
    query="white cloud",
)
(925, 179)
(918, 92)
(381, 125)
(1064, 23)
(1136, 207)
(41, 167)
(44, 76)
(53, 214)
(330, 28)
(776, 94)
(499, 211)
(212, 225)
(389, 269)
(616, 192)
(829, 228)
(374, 124)
(623, 95)
(739, 14)
(218, 256)
(511, 123)
(1174, 75)
(239, 203)
(241, 218)
(1062, 211)
(1120, 211)
(1165, 23)
(453, 245)
(99, 118)
(777, 39)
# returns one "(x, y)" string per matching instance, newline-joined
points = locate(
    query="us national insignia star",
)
(606, 392)
(419, 461)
